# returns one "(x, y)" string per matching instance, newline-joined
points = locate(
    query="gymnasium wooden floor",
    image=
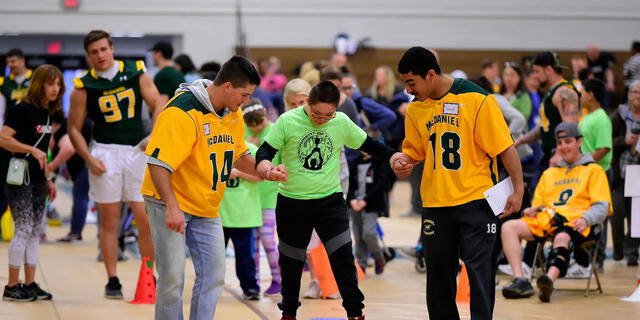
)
(76, 280)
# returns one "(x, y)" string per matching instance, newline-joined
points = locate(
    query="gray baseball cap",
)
(567, 130)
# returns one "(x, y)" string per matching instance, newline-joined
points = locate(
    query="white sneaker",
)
(314, 291)
(506, 269)
(577, 271)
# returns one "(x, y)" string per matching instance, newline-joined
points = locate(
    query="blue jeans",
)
(80, 201)
(205, 240)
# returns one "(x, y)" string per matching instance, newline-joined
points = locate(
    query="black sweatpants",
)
(469, 231)
(295, 221)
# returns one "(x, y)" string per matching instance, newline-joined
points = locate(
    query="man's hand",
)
(530, 212)
(514, 202)
(354, 204)
(579, 225)
(51, 191)
(555, 159)
(96, 166)
(234, 173)
(175, 220)
(401, 164)
(518, 142)
(631, 139)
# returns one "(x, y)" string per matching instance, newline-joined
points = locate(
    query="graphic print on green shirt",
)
(115, 105)
(240, 205)
(311, 153)
(12, 91)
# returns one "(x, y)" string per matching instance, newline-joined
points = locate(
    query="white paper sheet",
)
(498, 194)
(632, 181)
(635, 217)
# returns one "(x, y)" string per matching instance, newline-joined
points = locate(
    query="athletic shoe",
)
(379, 265)
(519, 288)
(600, 267)
(333, 296)
(251, 295)
(39, 293)
(287, 317)
(506, 269)
(545, 288)
(357, 318)
(314, 291)
(113, 289)
(632, 261)
(71, 237)
(577, 271)
(273, 290)
(18, 293)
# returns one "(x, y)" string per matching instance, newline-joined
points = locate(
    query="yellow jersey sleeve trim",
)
(1, 81)
(140, 65)
(29, 72)
(93, 73)
(78, 83)
(120, 65)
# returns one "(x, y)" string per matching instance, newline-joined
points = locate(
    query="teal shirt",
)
(311, 153)
(268, 189)
(596, 133)
(240, 205)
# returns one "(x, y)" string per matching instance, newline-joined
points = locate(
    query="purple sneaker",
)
(273, 290)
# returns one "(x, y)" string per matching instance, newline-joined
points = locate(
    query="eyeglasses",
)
(321, 116)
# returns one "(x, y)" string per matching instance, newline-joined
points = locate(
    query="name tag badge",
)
(451, 108)
(207, 130)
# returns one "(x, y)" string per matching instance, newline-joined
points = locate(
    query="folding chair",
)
(586, 247)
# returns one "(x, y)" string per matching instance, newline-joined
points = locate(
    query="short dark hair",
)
(635, 46)
(325, 92)
(418, 61)
(488, 63)
(584, 74)
(483, 83)
(330, 73)
(185, 63)
(596, 87)
(95, 35)
(15, 52)
(239, 71)
(210, 66)
(165, 48)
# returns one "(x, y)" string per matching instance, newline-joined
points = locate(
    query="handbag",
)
(18, 172)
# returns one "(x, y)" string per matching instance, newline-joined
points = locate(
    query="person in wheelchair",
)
(570, 201)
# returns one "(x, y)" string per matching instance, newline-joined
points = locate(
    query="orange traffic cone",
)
(325, 275)
(146, 290)
(463, 294)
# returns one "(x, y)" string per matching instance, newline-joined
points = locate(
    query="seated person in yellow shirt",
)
(569, 200)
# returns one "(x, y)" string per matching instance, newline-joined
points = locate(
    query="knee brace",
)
(559, 258)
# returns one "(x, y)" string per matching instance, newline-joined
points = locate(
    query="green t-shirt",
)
(523, 104)
(268, 189)
(167, 80)
(311, 153)
(240, 205)
(596, 133)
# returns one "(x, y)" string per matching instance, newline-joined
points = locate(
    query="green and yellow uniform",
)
(12, 90)
(200, 147)
(240, 206)
(311, 152)
(459, 137)
(568, 194)
(115, 105)
(550, 116)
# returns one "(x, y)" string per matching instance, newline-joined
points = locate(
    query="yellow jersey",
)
(571, 193)
(201, 147)
(459, 137)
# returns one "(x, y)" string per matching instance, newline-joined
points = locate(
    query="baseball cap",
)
(164, 47)
(567, 130)
(548, 58)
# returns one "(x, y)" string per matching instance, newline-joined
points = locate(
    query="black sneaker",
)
(251, 295)
(545, 286)
(18, 293)
(39, 293)
(632, 261)
(519, 288)
(113, 289)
